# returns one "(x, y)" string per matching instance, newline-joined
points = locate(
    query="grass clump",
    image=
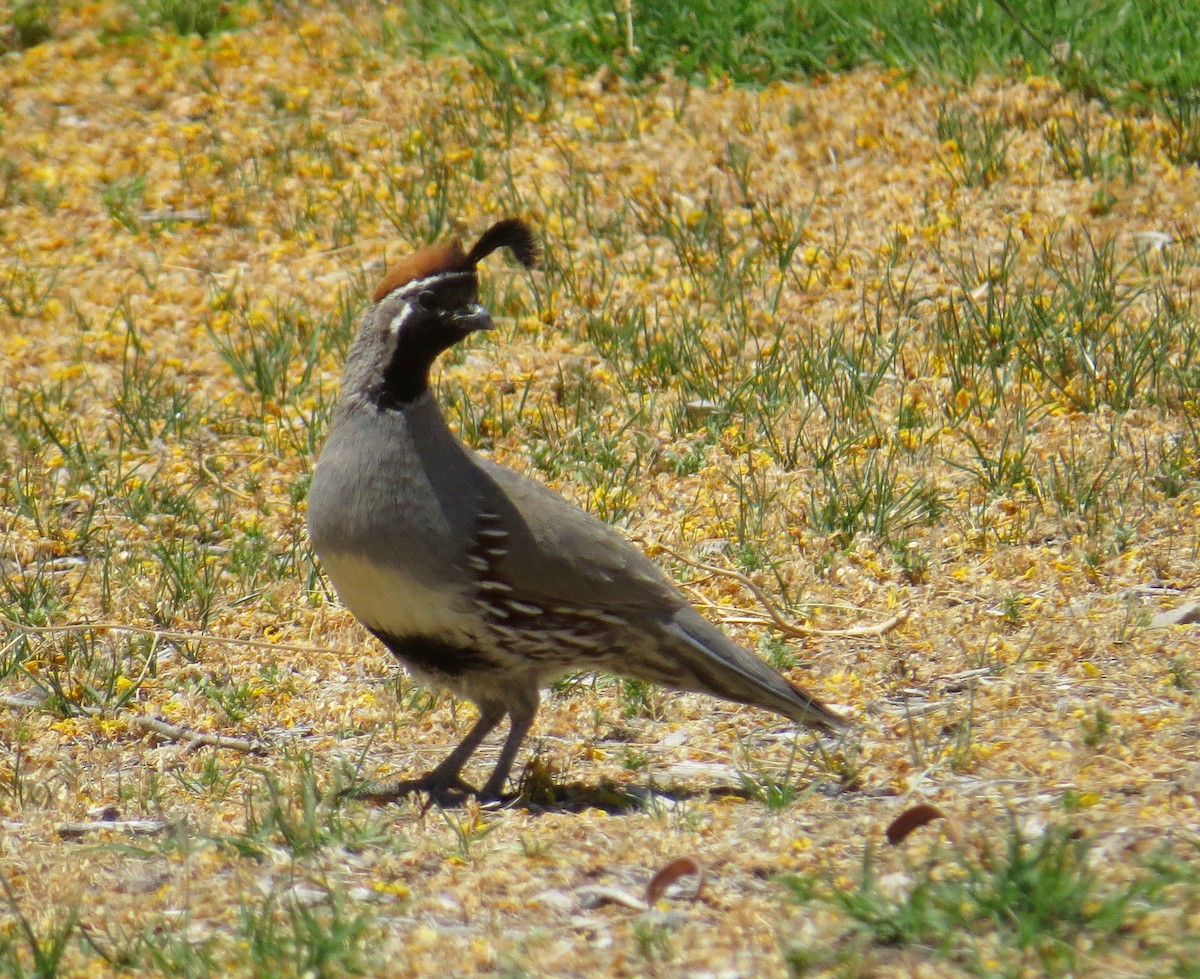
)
(183, 17)
(1037, 901)
(761, 41)
(26, 24)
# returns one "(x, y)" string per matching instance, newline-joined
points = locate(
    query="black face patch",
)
(431, 321)
(448, 293)
(406, 375)
(435, 656)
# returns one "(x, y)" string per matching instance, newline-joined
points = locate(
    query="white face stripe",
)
(415, 287)
(399, 320)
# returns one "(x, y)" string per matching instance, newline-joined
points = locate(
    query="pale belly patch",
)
(396, 602)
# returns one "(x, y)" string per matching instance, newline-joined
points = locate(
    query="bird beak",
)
(474, 317)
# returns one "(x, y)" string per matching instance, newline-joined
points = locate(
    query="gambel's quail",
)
(478, 578)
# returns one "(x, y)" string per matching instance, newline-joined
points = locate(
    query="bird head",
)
(423, 305)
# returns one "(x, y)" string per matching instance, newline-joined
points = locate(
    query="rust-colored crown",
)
(448, 256)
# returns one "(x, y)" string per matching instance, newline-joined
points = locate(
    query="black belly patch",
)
(435, 656)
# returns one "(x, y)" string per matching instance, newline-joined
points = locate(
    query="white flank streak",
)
(393, 602)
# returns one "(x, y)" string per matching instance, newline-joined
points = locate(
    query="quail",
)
(478, 578)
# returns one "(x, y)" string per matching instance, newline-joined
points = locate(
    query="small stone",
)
(1184, 615)
(700, 409)
(557, 899)
(305, 896)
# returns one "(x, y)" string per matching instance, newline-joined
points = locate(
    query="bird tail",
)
(708, 661)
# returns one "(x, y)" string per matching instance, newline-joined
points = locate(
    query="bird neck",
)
(422, 413)
(404, 380)
(389, 379)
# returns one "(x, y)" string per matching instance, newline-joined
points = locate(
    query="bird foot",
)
(444, 793)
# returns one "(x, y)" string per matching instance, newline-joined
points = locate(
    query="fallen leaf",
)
(668, 875)
(910, 820)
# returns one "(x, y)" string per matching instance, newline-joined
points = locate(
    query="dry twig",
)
(141, 630)
(775, 617)
(172, 732)
(136, 827)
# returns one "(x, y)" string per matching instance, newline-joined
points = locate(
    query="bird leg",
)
(443, 784)
(520, 718)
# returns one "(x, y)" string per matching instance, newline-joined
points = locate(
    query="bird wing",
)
(559, 555)
(547, 553)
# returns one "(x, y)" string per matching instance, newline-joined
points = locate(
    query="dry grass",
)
(877, 344)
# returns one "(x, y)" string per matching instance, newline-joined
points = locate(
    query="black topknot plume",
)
(513, 234)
